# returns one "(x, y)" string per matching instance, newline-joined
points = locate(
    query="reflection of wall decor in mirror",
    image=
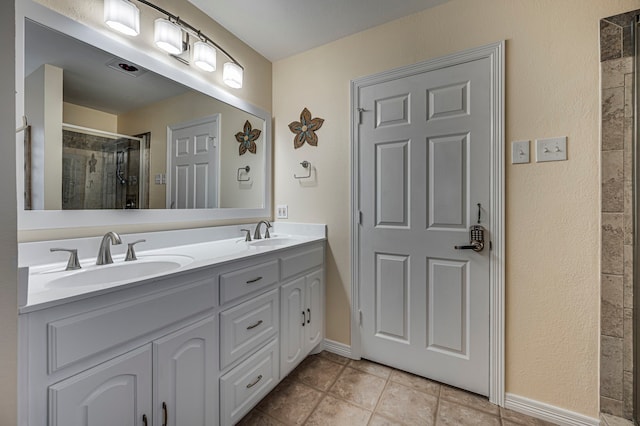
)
(247, 138)
(67, 72)
(305, 129)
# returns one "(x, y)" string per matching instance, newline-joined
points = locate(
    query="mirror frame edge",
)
(29, 220)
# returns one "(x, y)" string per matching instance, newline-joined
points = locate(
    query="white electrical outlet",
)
(282, 211)
(552, 149)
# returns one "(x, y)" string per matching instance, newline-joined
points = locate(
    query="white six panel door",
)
(193, 165)
(425, 145)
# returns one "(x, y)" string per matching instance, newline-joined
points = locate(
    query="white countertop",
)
(48, 284)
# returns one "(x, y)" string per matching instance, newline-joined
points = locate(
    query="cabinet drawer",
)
(299, 262)
(247, 326)
(248, 383)
(247, 280)
(81, 336)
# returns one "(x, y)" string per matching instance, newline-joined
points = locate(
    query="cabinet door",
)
(184, 379)
(293, 315)
(117, 392)
(315, 310)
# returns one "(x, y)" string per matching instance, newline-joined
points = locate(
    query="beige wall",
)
(552, 244)
(89, 117)
(188, 107)
(8, 224)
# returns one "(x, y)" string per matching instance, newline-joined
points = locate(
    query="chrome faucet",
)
(104, 253)
(256, 235)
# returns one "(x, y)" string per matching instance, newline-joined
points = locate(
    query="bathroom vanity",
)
(199, 344)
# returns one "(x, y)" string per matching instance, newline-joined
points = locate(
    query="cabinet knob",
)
(304, 318)
(308, 316)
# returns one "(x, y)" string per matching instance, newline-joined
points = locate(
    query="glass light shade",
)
(167, 36)
(204, 56)
(122, 16)
(232, 75)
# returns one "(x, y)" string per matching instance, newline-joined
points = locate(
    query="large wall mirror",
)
(117, 136)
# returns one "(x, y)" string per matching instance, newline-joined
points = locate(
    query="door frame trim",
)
(495, 53)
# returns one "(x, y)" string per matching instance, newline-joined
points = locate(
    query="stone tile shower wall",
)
(616, 333)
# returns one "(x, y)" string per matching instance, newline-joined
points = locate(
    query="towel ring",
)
(306, 165)
(246, 170)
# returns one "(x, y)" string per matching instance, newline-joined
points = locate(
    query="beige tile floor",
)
(327, 389)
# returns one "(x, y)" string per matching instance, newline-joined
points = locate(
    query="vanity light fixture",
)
(168, 36)
(122, 16)
(204, 56)
(232, 75)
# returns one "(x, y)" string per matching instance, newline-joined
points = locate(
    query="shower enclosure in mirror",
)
(113, 128)
(102, 170)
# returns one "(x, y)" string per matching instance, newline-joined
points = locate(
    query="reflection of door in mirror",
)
(193, 164)
(102, 170)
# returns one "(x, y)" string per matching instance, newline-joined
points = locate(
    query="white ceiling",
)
(281, 28)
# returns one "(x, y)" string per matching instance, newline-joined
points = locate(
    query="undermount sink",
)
(144, 267)
(273, 242)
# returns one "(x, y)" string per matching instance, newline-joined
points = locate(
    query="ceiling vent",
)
(126, 67)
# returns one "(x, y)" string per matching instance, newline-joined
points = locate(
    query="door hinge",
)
(360, 111)
(360, 318)
(490, 245)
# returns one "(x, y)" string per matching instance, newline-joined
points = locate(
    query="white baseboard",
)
(337, 348)
(547, 412)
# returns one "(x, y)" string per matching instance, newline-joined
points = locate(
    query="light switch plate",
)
(552, 149)
(520, 152)
(282, 211)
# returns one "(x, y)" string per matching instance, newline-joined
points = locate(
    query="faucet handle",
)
(266, 232)
(248, 236)
(73, 262)
(131, 253)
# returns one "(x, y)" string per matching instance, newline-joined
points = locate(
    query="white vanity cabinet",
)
(185, 377)
(302, 307)
(174, 372)
(117, 392)
(196, 348)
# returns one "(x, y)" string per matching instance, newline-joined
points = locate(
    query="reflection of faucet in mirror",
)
(104, 253)
(256, 235)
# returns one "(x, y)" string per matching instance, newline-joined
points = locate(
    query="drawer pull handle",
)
(165, 414)
(144, 420)
(254, 325)
(255, 382)
(308, 316)
(255, 280)
(304, 318)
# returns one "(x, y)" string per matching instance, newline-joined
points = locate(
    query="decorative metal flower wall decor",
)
(305, 129)
(247, 138)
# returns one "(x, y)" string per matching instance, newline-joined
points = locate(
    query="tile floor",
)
(327, 389)
(609, 420)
